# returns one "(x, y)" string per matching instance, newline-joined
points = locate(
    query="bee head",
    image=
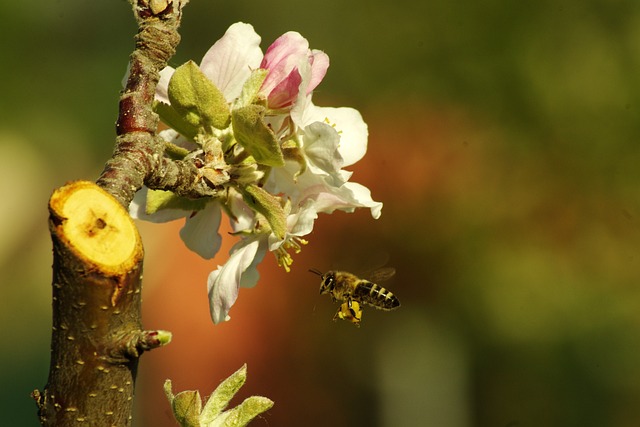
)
(328, 280)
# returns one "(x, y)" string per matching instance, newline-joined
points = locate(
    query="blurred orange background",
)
(504, 145)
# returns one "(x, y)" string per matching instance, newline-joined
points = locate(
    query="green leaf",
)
(174, 151)
(221, 396)
(175, 120)
(251, 87)
(291, 151)
(242, 414)
(196, 99)
(164, 337)
(160, 199)
(268, 205)
(187, 406)
(168, 391)
(255, 136)
(188, 410)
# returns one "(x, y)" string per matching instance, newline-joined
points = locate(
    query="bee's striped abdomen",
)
(376, 296)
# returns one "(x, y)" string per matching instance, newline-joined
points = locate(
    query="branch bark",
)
(97, 334)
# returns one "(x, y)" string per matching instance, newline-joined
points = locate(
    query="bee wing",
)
(382, 274)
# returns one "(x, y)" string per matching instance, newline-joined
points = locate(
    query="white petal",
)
(345, 175)
(347, 122)
(200, 231)
(175, 138)
(298, 224)
(243, 217)
(298, 188)
(137, 209)
(228, 63)
(348, 197)
(362, 196)
(137, 205)
(301, 223)
(352, 129)
(125, 78)
(250, 277)
(163, 84)
(321, 148)
(223, 283)
(327, 198)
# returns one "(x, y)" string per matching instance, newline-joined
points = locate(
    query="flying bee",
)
(354, 291)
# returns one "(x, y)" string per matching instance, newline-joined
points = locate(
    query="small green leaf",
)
(175, 120)
(164, 337)
(168, 391)
(255, 136)
(221, 396)
(293, 152)
(160, 199)
(188, 410)
(187, 406)
(197, 99)
(175, 152)
(251, 87)
(242, 414)
(268, 205)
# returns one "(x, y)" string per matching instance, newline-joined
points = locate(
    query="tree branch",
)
(139, 153)
(97, 333)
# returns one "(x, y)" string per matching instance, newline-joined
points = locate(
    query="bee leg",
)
(355, 311)
(350, 310)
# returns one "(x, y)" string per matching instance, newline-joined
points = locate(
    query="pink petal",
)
(319, 64)
(286, 92)
(282, 57)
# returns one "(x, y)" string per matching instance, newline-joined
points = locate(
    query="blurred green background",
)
(504, 142)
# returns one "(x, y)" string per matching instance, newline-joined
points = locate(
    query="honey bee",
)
(354, 291)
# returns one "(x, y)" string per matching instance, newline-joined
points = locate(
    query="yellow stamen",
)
(283, 256)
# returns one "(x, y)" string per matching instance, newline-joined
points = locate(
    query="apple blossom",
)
(274, 158)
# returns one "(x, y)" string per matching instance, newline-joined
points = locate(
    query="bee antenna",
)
(315, 271)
